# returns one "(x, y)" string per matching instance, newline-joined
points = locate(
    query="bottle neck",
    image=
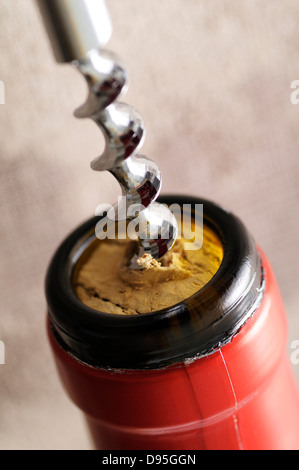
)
(192, 328)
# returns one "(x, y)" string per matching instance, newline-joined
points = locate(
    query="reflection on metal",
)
(78, 31)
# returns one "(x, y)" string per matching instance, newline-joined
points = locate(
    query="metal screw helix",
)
(122, 126)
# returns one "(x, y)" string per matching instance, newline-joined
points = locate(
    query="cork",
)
(103, 281)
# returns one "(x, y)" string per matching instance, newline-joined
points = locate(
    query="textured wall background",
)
(212, 81)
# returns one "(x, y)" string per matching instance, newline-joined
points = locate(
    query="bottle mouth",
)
(192, 328)
(103, 277)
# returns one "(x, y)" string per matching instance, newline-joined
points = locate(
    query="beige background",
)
(212, 80)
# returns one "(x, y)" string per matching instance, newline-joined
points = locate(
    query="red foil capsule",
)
(209, 373)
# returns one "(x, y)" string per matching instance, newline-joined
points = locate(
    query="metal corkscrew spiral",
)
(78, 30)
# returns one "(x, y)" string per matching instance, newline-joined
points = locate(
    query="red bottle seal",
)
(208, 373)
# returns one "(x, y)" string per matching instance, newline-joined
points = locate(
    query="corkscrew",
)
(78, 31)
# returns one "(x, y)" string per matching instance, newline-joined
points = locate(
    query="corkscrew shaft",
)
(75, 27)
(78, 30)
